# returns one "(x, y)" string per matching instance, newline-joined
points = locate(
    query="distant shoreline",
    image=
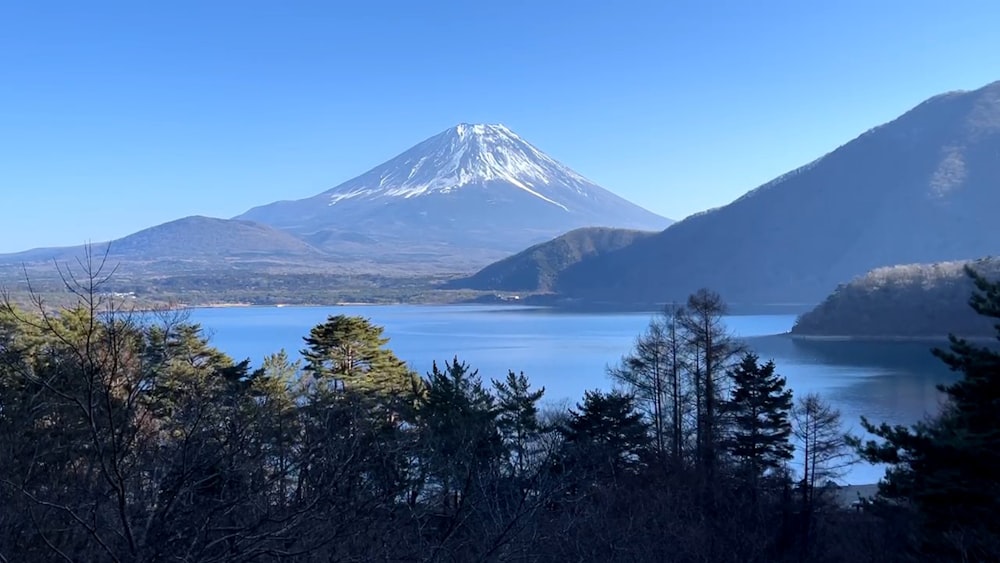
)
(562, 307)
(879, 338)
(337, 304)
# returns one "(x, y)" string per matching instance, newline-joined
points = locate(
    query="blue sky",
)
(119, 116)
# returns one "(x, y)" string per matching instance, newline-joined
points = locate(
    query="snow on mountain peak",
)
(467, 155)
(463, 129)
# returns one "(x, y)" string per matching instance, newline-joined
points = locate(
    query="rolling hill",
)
(538, 267)
(191, 239)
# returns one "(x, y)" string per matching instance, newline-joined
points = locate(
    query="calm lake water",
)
(567, 353)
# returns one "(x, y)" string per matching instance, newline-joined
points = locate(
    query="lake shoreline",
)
(880, 338)
(580, 307)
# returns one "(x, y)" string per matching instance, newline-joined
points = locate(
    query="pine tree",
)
(946, 469)
(758, 411)
(277, 395)
(351, 352)
(606, 437)
(517, 417)
(458, 429)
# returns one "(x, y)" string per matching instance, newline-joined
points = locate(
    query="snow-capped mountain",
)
(464, 156)
(471, 186)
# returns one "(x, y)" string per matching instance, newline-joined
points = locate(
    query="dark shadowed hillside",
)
(922, 188)
(915, 300)
(537, 268)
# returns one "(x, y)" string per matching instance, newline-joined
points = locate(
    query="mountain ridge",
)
(195, 237)
(915, 189)
(536, 268)
(449, 205)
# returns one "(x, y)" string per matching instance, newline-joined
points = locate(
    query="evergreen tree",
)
(458, 428)
(758, 411)
(946, 469)
(183, 364)
(606, 437)
(278, 396)
(351, 353)
(517, 417)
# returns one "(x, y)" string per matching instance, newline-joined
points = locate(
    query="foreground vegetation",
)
(127, 437)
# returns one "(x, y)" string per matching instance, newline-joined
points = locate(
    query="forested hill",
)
(914, 300)
(538, 267)
(919, 189)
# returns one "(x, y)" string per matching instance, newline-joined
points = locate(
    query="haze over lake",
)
(567, 352)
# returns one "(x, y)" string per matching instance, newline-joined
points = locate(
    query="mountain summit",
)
(468, 155)
(470, 187)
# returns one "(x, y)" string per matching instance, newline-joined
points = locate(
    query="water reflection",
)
(893, 382)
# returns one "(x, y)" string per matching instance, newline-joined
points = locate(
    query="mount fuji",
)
(472, 190)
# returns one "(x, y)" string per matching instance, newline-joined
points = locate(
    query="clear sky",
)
(119, 116)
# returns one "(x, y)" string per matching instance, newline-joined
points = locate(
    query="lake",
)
(567, 353)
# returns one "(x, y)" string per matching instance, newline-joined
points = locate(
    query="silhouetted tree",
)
(758, 410)
(711, 350)
(517, 418)
(653, 373)
(823, 444)
(605, 438)
(459, 430)
(945, 469)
